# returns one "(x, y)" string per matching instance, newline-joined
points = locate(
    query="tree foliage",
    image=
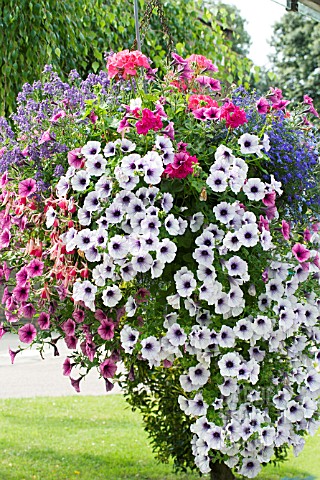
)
(74, 35)
(296, 60)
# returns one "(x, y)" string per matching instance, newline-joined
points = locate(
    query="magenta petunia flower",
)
(285, 230)
(71, 341)
(27, 187)
(5, 238)
(269, 199)
(76, 383)
(2, 330)
(108, 368)
(4, 179)
(307, 235)
(13, 354)
(22, 276)
(44, 321)
(106, 330)
(263, 106)
(69, 327)
(35, 268)
(75, 158)
(6, 271)
(67, 367)
(45, 137)
(78, 315)
(21, 292)
(28, 310)
(60, 114)
(27, 333)
(301, 252)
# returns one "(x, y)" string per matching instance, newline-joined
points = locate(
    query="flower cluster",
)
(160, 241)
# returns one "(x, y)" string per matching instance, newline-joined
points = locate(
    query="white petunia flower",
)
(50, 217)
(84, 217)
(91, 202)
(103, 187)
(196, 221)
(129, 338)
(111, 296)
(217, 181)
(80, 181)
(249, 144)
(96, 165)
(166, 251)
(254, 189)
(224, 212)
(229, 364)
(91, 148)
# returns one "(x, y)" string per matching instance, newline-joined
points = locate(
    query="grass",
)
(97, 438)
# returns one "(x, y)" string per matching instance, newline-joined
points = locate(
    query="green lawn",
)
(95, 438)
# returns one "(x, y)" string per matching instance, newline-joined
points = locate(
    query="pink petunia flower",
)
(263, 223)
(76, 383)
(5, 238)
(108, 368)
(270, 199)
(67, 367)
(93, 117)
(27, 333)
(149, 121)
(4, 180)
(202, 62)
(106, 330)
(2, 330)
(78, 315)
(21, 292)
(263, 106)
(307, 235)
(44, 321)
(13, 354)
(60, 114)
(35, 268)
(28, 310)
(69, 327)
(285, 230)
(27, 187)
(209, 82)
(197, 101)
(71, 341)
(309, 101)
(124, 64)
(233, 115)
(75, 158)
(301, 253)
(45, 137)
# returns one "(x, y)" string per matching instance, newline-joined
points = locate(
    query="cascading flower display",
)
(162, 240)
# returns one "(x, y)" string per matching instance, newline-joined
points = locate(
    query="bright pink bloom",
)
(90, 350)
(202, 62)
(149, 121)
(67, 367)
(300, 252)
(78, 315)
(69, 327)
(4, 179)
(263, 223)
(108, 368)
(309, 101)
(263, 106)
(197, 101)
(233, 115)
(6, 271)
(169, 130)
(28, 310)
(275, 95)
(200, 113)
(21, 292)
(281, 105)
(125, 63)
(27, 333)
(75, 158)
(316, 260)
(265, 276)
(106, 330)
(285, 230)
(182, 165)
(210, 82)
(27, 187)
(60, 114)
(100, 315)
(44, 321)
(270, 199)
(45, 137)
(35, 268)
(307, 235)
(2, 330)
(25, 152)
(93, 117)
(315, 227)
(271, 212)
(76, 383)
(22, 276)
(2, 150)
(71, 341)
(5, 238)
(212, 113)
(13, 354)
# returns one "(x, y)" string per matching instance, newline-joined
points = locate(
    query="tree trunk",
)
(220, 471)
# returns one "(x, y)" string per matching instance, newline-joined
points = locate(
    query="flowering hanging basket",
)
(170, 225)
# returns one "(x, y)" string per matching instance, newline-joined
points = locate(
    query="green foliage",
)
(72, 35)
(296, 60)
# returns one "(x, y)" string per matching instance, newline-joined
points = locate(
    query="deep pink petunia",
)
(270, 199)
(28, 310)
(22, 276)
(285, 230)
(45, 137)
(263, 106)
(106, 330)
(5, 238)
(149, 121)
(44, 321)
(76, 383)
(35, 268)
(182, 165)
(27, 187)
(300, 252)
(108, 368)
(69, 327)
(71, 341)
(60, 114)
(67, 367)
(4, 180)
(78, 315)
(2, 330)
(233, 115)
(93, 117)
(309, 101)
(13, 354)
(75, 158)
(21, 292)
(307, 235)
(263, 223)
(27, 333)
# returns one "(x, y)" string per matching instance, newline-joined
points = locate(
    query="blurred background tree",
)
(74, 35)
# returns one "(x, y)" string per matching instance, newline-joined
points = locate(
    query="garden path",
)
(30, 376)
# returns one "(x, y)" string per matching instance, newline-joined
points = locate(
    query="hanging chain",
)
(145, 22)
